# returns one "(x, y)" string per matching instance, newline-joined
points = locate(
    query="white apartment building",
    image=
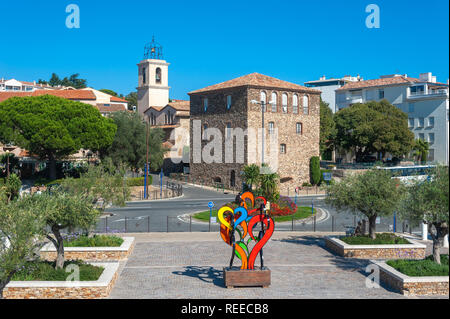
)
(425, 100)
(329, 86)
(14, 85)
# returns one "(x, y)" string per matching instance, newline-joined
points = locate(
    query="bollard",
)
(292, 223)
(106, 224)
(314, 223)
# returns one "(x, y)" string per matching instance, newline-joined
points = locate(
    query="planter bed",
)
(413, 250)
(65, 289)
(412, 286)
(48, 252)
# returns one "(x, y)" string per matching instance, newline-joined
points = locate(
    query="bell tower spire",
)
(153, 78)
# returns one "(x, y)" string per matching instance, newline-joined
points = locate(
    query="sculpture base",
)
(236, 277)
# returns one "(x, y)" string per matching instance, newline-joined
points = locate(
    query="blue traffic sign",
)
(327, 176)
(211, 204)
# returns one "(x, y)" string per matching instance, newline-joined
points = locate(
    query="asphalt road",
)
(172, 215)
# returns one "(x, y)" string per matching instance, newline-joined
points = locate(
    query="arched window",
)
(144, 77)
(264, 100)
(233, 178)
(271, 127)
(228, 102)
(305, 104)
(284, 102)
(283, 148)
(158, 75)
(274, 102)
(299, 128)
(295, 104)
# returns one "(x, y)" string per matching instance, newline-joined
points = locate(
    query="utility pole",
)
(146, 160)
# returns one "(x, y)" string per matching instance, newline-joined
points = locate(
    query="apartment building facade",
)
(291, 130)
(425, 100)
(13, 85)
(329, 86)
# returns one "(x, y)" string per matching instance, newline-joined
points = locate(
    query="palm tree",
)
(421, 149)
(268, 184)
(251, 175)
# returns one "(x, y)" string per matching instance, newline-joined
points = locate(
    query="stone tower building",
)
(291, 129)
(153, 87)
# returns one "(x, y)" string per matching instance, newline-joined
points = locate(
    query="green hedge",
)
(381, 239)
(45, 271)
(139, 181)
(418, 268)
(93, 241)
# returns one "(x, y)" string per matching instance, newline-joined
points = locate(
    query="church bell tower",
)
(153, 88)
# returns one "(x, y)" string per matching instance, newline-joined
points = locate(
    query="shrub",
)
(381, 239)
(283, 207)
(75, 240)
(45, 271)
(139, 181)
(314, 167)
(418, 268)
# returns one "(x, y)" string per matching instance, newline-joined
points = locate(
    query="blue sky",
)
(208, 42)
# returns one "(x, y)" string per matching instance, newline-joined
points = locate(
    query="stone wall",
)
(65, 290)
(217, 116)
(412, 286)
(292, 167)
(415, 251)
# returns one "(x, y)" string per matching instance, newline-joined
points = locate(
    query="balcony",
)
(434, 93)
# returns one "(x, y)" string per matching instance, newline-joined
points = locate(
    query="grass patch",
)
(418, 268)
(381, 239)
(93, 241)
(302, 213)
(45, 271)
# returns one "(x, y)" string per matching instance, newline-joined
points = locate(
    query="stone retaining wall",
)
(412, 286)
(65, 290)
(48, 252)
(414, 250)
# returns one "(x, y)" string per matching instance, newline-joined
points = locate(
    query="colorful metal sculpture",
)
(243, 221)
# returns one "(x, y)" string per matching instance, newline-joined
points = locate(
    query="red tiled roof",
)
(378, 82)
(256, 80)
(117, 99)
(180, 105)
(67, 94)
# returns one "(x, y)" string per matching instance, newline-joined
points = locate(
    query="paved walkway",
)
(189, 265)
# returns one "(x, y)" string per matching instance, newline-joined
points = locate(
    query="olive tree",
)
(61, 210)
(103, 184)
(372, 194)
(20, 236)
(427, 202)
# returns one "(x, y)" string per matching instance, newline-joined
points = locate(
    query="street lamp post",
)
(263, 109)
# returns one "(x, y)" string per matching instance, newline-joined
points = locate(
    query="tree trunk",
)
(59, 247)
(438, 234)
(5, 282)
(52, 167)
(372, 226)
